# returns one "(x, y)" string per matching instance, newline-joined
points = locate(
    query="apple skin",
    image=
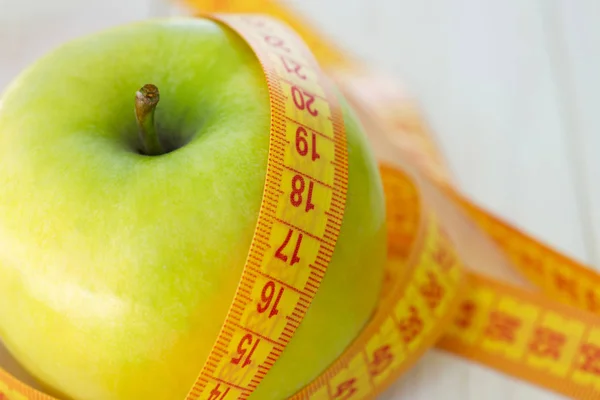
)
(117, 269)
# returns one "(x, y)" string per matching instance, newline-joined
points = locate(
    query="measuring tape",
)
(533, 314)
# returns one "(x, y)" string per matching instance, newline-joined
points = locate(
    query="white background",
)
(510, 87)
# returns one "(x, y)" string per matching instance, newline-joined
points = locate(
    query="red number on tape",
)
(547, 343)
(267, 294)
(215, 394)
(292, 67)
(279, 253)
(345, 390)
(466, 312)
(298, 186)
(591, 358)
(412, 326)
(432, 291)
(301, 103)
(302, 143)
(502, 327)
(276, 42)
(241, 349)
(382, 359)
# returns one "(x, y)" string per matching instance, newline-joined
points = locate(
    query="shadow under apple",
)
(8, 363)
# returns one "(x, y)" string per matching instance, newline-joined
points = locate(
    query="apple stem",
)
(146, 100)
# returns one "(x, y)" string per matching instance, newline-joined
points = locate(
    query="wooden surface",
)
(510, 87)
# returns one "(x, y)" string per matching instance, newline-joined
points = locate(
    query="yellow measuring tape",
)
(457, 277)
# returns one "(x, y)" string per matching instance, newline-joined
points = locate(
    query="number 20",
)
(301, 103)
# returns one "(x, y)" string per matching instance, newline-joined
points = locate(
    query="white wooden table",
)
(511, 88)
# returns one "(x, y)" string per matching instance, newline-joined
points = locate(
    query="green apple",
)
(117, 268)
